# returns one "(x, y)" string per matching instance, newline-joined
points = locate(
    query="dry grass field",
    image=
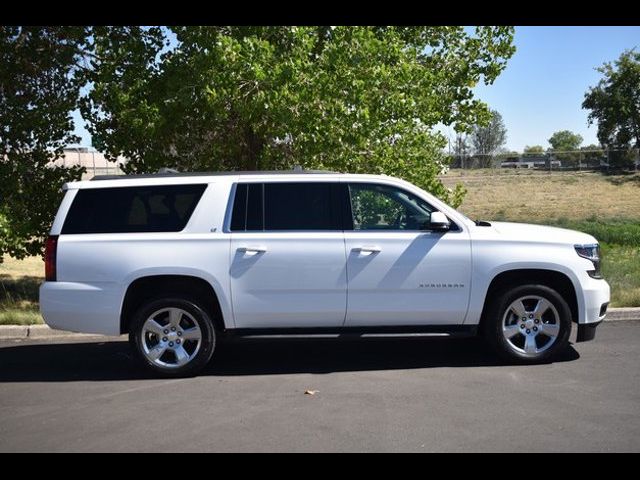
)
(605, 206)
(534, 196)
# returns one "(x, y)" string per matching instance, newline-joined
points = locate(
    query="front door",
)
(398, 272)
(287, 256)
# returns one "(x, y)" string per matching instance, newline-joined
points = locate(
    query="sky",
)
(543, 86)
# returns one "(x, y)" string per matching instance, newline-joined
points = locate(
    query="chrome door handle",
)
(367, 250)
(252, 250)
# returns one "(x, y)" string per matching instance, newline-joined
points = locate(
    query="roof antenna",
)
(298, 168)
(167, 170)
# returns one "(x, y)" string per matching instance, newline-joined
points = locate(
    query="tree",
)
(534, 150)
(563, 146)
(488, 139)
(615, 102)
(565, 141)
(38, 90)
(355, 99)
(593, 154)
(461, 150)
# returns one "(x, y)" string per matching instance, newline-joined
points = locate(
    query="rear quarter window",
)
(163, 208)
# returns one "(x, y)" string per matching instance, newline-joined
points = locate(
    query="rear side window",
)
(279, 206)
(162, 208)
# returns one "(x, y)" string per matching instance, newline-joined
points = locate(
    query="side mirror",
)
(438, 222)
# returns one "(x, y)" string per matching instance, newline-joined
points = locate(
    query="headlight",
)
(591, 252)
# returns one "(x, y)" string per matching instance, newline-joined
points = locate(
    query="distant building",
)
(94, 162)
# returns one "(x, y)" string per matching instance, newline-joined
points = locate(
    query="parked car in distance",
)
(181, 261)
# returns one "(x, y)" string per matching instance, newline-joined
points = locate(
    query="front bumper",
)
(595, 294)
(587, 332)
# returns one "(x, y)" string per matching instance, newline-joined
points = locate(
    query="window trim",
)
(348, 208)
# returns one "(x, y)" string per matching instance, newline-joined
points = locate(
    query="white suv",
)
(179, 261)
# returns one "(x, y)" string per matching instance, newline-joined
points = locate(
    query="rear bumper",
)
(81, 307)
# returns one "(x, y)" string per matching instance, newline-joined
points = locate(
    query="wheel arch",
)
(147, 287)
(559, 281)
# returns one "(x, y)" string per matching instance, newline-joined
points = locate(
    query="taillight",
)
(50, 254)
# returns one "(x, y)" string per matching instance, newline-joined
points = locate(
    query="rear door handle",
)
(252, 250)
(367, 250)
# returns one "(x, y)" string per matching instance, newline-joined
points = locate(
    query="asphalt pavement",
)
(423, 395)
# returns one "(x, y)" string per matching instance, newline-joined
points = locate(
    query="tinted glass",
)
(247, 208)
(165, 208)
(299, 206)
(239, 214)
(380, 207)
(255, 212)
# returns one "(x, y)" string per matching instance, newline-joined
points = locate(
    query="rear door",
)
(287, 265)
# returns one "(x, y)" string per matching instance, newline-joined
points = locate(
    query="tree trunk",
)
(254, 145)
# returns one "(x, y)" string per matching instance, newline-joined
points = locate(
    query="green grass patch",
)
(620, 242)
(18, 316)
(621, 268)
(619, 232)
(19, 300)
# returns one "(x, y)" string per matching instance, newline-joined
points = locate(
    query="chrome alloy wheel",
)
(171, 338)
(531, 325)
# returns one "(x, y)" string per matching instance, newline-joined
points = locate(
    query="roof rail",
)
(172, 173)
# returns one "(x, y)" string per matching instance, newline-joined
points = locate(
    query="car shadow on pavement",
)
(113, 360)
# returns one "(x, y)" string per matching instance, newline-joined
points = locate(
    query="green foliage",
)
(614, 103)
(621, 269)
(592, 153)
(371, 209)
(38, 90)
(352, 99)
(534, 150)
(562, 145)
(565, 140)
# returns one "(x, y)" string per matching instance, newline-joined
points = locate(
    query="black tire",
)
(493, 324)
(197, 314)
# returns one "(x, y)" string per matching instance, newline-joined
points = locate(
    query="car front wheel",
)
(528, 324)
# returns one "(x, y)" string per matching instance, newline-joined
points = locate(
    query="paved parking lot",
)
(374, 395)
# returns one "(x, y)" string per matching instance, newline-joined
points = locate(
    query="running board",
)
(355, 332)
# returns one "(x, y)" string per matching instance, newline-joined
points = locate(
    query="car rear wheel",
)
(174, 337)
(528, 324)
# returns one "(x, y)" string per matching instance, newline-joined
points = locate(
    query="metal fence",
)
(572, 160)
(95, 163)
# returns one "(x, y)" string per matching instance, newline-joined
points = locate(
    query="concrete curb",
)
(11, 332)
(622, 314)
(36, 332)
